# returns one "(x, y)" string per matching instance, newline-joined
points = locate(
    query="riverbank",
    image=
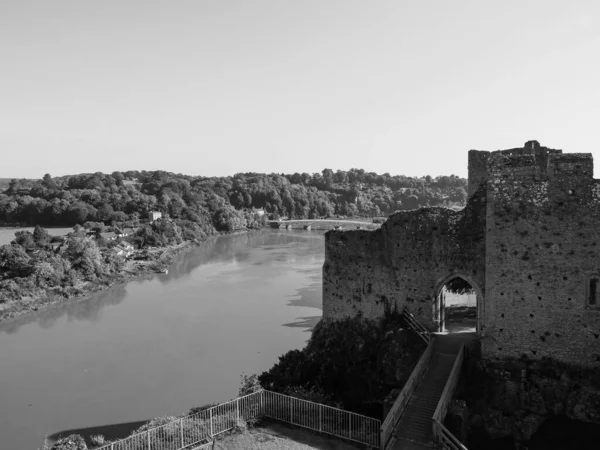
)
(37, 298)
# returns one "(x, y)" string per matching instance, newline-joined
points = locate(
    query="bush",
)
(71, 442)
(351, 362)
(198, 409)
(98, 440)
(249, 384)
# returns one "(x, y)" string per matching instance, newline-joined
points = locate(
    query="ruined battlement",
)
(531, 162)
(528, 241)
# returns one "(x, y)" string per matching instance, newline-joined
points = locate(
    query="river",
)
(161, 345)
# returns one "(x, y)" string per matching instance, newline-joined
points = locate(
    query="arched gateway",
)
(526, 240)
(458, 305)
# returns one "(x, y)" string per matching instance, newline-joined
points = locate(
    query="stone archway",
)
(439, 305)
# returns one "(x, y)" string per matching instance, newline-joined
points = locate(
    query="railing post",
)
(237, 409)
(291, 409)
(320, 417)
(262, 405)
(349, 426)
(148, 434)
(112, 446)
(181, 431)
(211, 423)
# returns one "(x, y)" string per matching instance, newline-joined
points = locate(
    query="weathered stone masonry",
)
(528, 241)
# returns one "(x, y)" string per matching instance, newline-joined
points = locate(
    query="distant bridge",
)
(323, 224)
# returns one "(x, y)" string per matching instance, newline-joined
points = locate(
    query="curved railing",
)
(196, 431)
(391, 420)
(322, 418)
(441, 435)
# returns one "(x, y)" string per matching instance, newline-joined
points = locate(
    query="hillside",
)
(5, 183)
(220, 203)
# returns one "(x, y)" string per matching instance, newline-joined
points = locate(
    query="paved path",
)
(414, 430)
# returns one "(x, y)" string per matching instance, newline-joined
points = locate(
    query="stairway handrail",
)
(440, 432)
(417, 326)
(447, 439)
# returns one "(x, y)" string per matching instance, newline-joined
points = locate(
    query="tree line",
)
(220, 203)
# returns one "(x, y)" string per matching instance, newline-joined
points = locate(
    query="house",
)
(108, 236)
(259, 211)
(128, 232)
(154, 215)
(123, 249)
(117, 251)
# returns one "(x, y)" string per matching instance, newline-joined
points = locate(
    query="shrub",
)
(197, 409)
(249, 384)
(98, 440)
(71, 442)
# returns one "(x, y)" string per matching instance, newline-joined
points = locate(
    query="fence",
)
(322, 418)
(441, 435)
(404, 397)
(197, 430)
(416, 326)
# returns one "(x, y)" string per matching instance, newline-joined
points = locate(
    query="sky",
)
(215, 88)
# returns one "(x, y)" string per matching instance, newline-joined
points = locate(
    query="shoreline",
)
(163, 261)
(52, 299)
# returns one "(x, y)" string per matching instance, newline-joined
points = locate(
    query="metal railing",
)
(196, 431)
(412, 321)
(324, 419)
(441, 435)
(391, 420)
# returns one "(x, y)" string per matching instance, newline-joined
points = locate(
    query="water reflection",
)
(309, 296)
(88, 309)
(224, 249)
(304, 322)
(162, 343)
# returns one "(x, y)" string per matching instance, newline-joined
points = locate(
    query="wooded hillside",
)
(220, 203)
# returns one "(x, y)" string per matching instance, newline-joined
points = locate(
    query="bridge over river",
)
(324, 224)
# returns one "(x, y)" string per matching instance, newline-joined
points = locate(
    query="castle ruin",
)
(527, 241)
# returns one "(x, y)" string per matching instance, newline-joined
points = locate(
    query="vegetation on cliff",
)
(37, 269)
(219, 203)
(352, 363)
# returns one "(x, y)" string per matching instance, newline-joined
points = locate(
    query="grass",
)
(277, 436)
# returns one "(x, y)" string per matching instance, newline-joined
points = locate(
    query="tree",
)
(105, 212)
(328, 177)
(411, 202)
(48, 182)
(25, 239)
(77, 213)
(15, 261)
(84, 255)
(41, 236)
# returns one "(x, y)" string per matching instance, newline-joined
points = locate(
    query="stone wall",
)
(527, 241)
(404, 263)
(542, 242)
